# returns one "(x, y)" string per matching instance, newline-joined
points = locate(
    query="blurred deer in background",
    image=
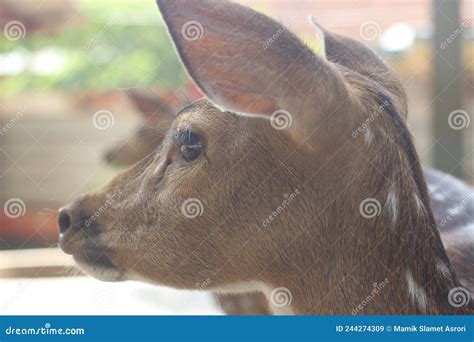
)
(158, 110)
(277, 126)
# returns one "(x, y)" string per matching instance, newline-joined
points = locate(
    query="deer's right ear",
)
(248, 63)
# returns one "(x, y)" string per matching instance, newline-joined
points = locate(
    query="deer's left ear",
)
(149, 104)
(248, 63)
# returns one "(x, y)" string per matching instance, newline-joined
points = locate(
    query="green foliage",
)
(120, 44)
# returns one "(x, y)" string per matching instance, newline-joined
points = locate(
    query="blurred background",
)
(70, 72)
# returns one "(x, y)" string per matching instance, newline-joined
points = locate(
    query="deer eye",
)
(190, 145)
(190, 152)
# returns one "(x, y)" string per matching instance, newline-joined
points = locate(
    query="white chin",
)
(100, 272)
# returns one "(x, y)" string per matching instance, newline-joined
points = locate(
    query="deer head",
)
(264, 187)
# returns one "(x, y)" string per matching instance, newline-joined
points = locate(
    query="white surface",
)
(87, 296)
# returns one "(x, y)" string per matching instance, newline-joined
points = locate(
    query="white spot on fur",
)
(417, 293)
(368, 136)
(443, 269)
(419, 203)
(392, 204)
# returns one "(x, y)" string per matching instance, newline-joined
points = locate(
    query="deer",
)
(158, 109)
(261, 185)
(449, 196)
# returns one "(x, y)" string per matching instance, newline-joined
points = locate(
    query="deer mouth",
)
(83, 241)
(96, 262)
(93, 257)
(101, 269)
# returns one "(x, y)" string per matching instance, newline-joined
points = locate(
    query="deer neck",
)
(379, 252)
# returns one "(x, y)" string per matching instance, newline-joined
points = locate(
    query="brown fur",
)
(319, 247)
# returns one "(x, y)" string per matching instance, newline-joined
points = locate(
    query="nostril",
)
(64, 220)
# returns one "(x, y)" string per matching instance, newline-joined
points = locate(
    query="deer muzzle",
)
(79, 236)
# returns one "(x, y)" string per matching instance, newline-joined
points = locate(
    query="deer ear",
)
(248, 63)
(320, 47)
(150, 104)
(348, 52)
